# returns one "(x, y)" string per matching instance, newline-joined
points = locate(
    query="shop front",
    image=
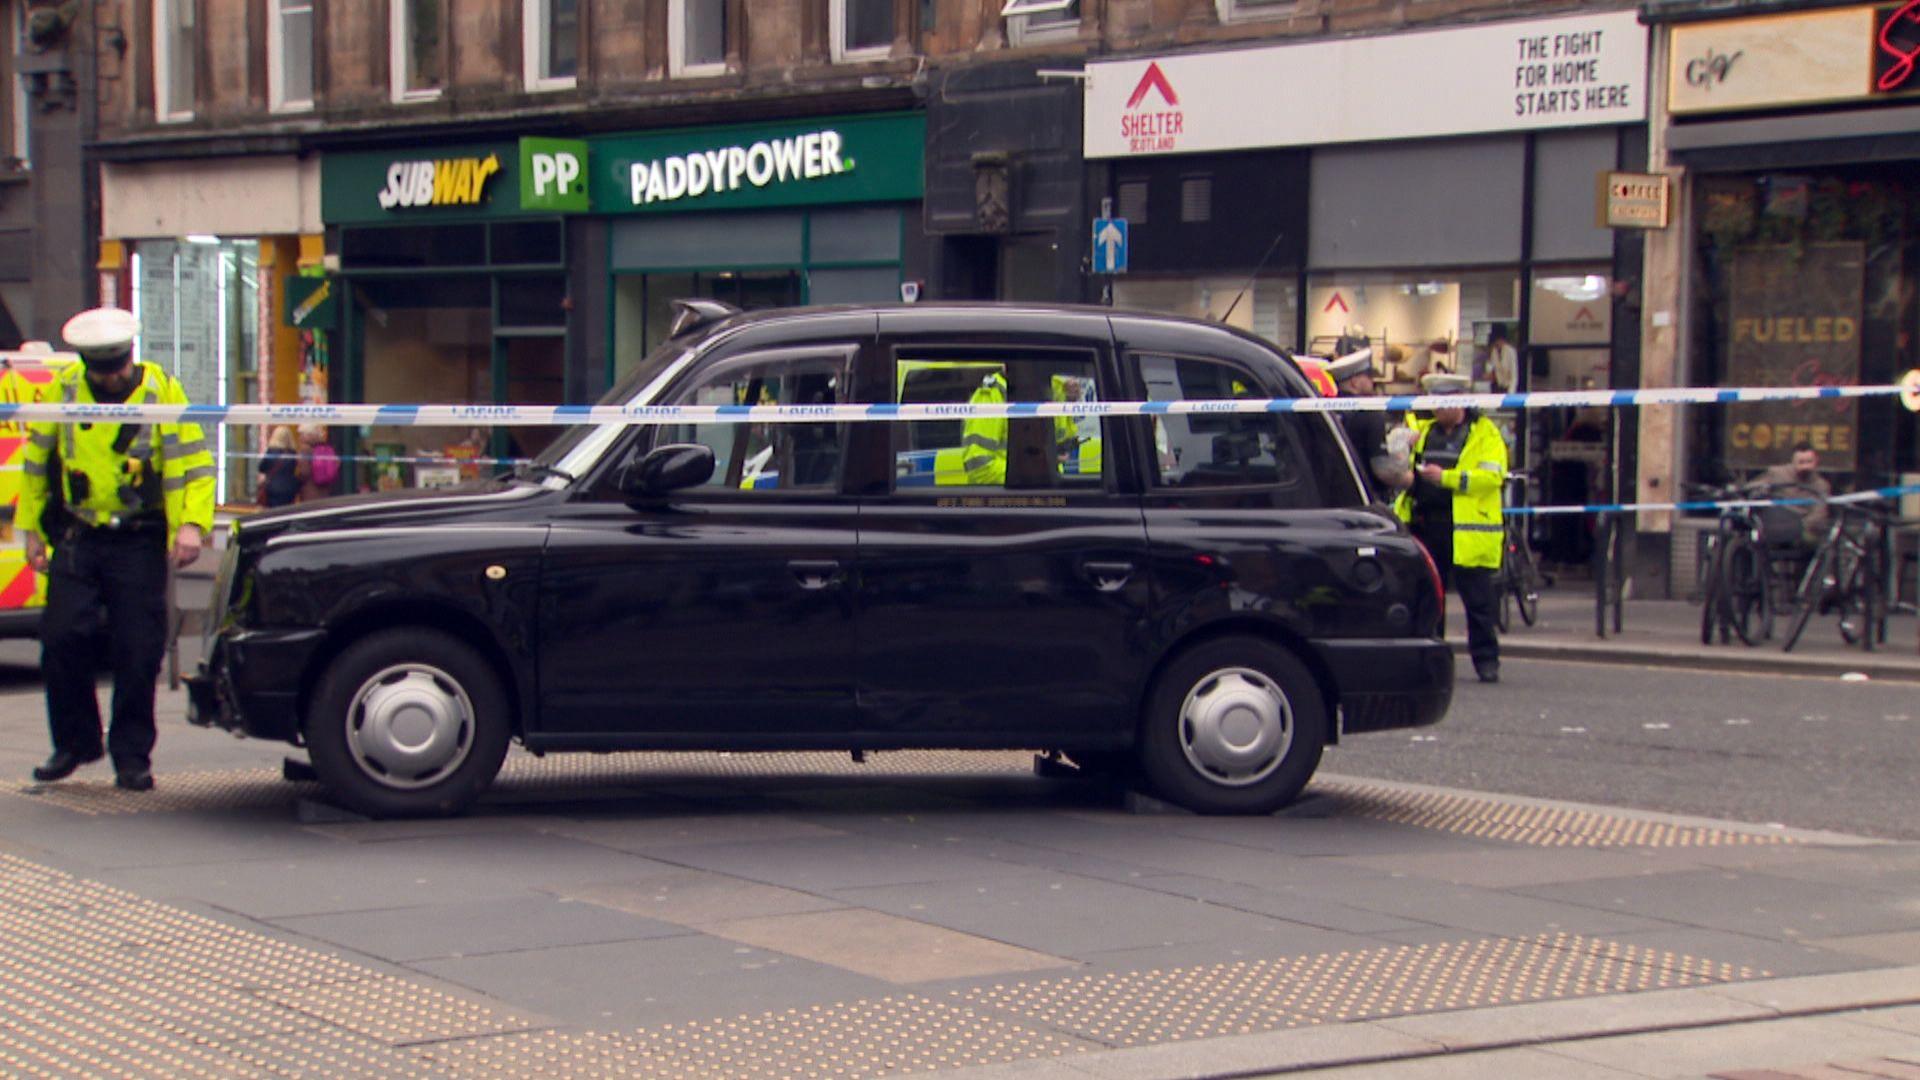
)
(1450, 232)
(820, 211)
(1801, 195)
(205, 252)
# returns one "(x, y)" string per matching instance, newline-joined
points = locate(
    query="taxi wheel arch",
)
(1233, 724)
(408, 722)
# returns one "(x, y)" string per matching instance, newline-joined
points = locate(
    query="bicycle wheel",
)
(1526, 583)
(1853, 598)
(1710, 592)
(1502, 616)
(1807, 597)
(1743, 588)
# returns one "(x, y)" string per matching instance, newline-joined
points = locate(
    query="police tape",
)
(371, 415)
(1850, 499)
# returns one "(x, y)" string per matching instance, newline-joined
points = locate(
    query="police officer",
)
(124, 499)
(1460, 469)
(1367, 431)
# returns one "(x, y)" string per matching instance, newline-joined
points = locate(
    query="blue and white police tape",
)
(595, 415)
(1852, 498)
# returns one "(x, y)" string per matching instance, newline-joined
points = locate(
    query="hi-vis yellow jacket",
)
(112, 472)
(1476, 481)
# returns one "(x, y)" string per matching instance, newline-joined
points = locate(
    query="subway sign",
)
(445, 182)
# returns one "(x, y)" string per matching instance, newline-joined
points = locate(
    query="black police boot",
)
(61, 765)
(132, 775)
(1488, 670)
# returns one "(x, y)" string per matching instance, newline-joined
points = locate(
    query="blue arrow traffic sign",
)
(1110, 245)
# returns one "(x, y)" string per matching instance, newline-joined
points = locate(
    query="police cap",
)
(103, 336)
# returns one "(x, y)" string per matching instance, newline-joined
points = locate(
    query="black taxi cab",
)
(1204, 600)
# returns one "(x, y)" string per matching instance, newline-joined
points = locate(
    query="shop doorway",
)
(1570, 452)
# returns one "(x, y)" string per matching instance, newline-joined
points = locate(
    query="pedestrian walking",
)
(1460, 470)
(105, 507)
(279, 480)
(319, 466)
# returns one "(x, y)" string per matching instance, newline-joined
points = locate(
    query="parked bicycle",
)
(1848, 576)
(1520, 580)
(1740, 585)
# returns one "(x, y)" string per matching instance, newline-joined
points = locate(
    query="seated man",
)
(1800, 479)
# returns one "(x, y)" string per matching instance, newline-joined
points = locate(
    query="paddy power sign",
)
(849, 159)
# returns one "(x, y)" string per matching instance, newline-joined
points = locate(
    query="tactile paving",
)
(1129, 1008)
(97, 982)
(1534, 824)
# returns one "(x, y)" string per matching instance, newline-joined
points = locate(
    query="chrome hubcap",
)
(1236, 727)
(409, 726)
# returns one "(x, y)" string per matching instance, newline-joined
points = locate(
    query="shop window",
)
(1266, 307)
(1223, 449)
(697, 36)
(769, 457)
(1046, 453)
(173, 66)
(1237, 10)
(532, 300)
(1417, 322)
(551, 43)
(526, 243)
(862, 29)
(1133, 202)
(417, 55)
(1196, 199)
(290, 55)
(198, 303)
(413, 246)
(1040, 20)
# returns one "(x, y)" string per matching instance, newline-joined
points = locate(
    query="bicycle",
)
(1738, 582)
(1848, 575)
(1520, 579)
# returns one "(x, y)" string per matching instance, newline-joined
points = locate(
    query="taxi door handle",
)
(1107, 576)
(815, 573)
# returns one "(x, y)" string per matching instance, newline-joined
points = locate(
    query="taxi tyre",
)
(1233, 726)
(408, 723)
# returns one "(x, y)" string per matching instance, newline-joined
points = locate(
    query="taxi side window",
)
(1040, 453)
(1221, 449)
(768, 457)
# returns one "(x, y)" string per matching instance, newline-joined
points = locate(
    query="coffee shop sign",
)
(812, 156)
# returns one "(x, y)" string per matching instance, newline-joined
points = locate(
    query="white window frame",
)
(1021, 32)
(277, 58)
(677, 65)
(533, 47)
(22, 143)
(1233, 11)
(397, 58)
(163, 23)
(837, 38)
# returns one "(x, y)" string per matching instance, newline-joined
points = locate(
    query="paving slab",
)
(1680, 1054)
(1762, 904)
(477, 927)
(1869, 987)
(1554, 1021)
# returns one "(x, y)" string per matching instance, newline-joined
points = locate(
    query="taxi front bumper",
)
(250, 682)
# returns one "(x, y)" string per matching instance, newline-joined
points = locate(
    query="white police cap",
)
(103, 332)
(1354, 363)
(1445, 383)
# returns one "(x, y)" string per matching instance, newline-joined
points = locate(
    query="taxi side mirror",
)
(666, 468)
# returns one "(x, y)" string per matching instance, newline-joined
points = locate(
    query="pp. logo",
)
(553, 174)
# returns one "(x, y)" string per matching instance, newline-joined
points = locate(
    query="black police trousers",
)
(105, 589)
(1479, 594)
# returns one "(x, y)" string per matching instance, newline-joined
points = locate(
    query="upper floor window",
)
(862, 29)
(1232, 10)
(552, 44)
(290, 55)
(418, 49)
(1040, 20)
(173, 67)
(697, 37)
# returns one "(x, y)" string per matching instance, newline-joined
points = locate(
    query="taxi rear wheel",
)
(408, 723)
(1233, 726)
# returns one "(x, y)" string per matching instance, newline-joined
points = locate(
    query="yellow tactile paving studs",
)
(1493, 818)
(97, 982)
(1486, 817)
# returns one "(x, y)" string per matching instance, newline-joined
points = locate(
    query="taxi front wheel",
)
(1233, 726)
(408, 723)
